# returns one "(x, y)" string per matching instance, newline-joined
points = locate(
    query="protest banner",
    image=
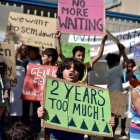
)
(85, 17)
(79, 108)
(34, 81)
(68, 47)
(3, 101)
(31, 30)
(137, 52)
(7, 55)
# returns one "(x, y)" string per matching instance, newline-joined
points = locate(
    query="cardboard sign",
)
(34, 81)
(112, 37)
(85, 17)
(76, 108)
(31, 30)
(3, 101)
(137, 52)
(7, 55)
(68, 47)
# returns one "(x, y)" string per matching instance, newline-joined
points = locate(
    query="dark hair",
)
(134, 64)
(112, 58)
(51, 52)
(78, 48)
(35, 49)
(67, 63)
(19, 131)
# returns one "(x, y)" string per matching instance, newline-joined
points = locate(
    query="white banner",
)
(129, 39)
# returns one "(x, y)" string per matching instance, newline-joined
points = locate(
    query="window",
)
(112, 2)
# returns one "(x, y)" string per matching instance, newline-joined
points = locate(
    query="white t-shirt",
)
(114, 78)
(15, 93)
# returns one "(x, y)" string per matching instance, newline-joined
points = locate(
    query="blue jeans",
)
(36, 122)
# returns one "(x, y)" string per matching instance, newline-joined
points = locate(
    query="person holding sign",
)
(71, 70)
(79, 53)
(114, 73)
(49, 57)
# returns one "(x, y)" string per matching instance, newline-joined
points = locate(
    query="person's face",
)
(31, 53)
(23, 52)
(45, 59)
(71, 74)
(80, 55)
(130, 66)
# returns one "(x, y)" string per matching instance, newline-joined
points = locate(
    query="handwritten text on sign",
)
(31, 30)
(75, 108)
(81, 17)
(7, 55)
(34, 81)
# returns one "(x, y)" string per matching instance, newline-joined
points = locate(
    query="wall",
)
(128, 6)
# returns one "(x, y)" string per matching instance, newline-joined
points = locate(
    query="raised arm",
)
(129, 76)
(99, 55)
(59, 51)
(135, 98)
(122, 51)
(18, 55)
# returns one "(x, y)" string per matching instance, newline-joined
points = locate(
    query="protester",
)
(20, 132)
(79, 53)
(114, 73)
(34, 58)
(131, 68)
(71, 70)
(15, 93)
(49, 57)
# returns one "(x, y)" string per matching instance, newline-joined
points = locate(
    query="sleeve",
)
(89, 66)
(118, 70)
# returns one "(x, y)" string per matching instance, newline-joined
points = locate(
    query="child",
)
(79, 53)
(135, 122)
(49, 57)
(114, 73)
(20, 132)
(71, 70)
(131, 68)
(34, 58)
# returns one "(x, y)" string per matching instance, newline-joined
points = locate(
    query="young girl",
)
(71, 70)
(114, 73)
(131, 68)
(135, 122)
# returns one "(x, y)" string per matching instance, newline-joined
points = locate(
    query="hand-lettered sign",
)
(137, 52)
(7, 55)
(85, 17)
(34, 81)
(3, 101)
(76, 108)
(31, 30)
(68, 47)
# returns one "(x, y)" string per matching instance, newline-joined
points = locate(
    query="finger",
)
(41, 103)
